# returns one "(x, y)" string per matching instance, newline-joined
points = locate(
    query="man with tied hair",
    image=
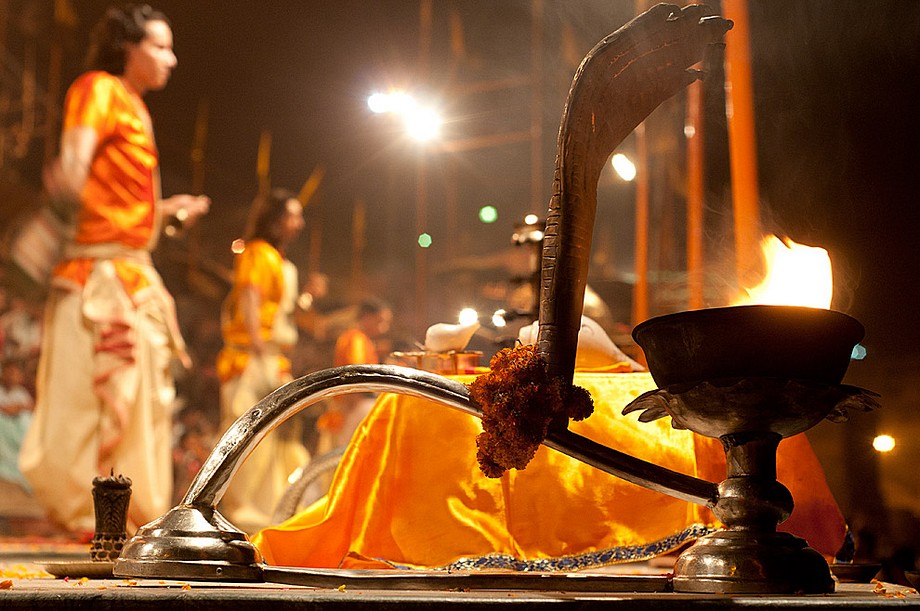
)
(104, 387)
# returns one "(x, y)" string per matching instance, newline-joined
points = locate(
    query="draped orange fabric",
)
(409, 493)
(119, 195)
(118, 201)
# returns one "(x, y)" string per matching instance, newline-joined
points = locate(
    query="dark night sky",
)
(837, 127)
(839, 133)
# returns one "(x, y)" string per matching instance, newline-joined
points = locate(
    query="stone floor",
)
(29, 545)
(26, 583)
(40, 592)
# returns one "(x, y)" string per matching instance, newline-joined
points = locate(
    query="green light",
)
(859, 352)
(488, 214)
(424, 240)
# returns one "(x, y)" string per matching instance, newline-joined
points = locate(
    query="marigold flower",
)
(520, 405)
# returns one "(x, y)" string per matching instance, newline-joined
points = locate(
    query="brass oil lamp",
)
(750, 376)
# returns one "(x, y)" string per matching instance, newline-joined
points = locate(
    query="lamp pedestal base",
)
(749, 556)
(744, 562)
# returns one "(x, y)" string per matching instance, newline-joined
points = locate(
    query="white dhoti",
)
(104, 399)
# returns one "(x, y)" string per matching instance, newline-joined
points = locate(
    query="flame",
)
(796, 275)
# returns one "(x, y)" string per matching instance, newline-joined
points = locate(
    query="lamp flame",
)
(797, 275)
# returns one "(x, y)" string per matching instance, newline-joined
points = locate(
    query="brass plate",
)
(76, 569)
(442, 580)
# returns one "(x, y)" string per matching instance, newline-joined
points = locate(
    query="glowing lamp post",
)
(423, 125)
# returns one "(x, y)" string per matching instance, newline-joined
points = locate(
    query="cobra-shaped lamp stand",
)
(626, 76)
(194, 541)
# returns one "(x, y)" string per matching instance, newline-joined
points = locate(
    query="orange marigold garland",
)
(520, 404)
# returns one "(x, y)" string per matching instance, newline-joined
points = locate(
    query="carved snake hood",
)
(619, 83)
(529, 392)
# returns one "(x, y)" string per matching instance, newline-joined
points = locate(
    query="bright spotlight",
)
(423, 124)
(624, 167)
(883, 443)
(468, 316)
(395, 102)
(402, 102)
(378, 102)
(531, 219)
(498, 319)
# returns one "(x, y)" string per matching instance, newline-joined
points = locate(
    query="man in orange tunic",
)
(104, 387)
(259, 333)
(356, 346)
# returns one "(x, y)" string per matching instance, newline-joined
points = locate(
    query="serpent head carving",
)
(618, 84)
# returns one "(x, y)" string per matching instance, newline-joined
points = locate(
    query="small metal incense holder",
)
(111, 497)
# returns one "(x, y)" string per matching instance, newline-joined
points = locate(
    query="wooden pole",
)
(695, 195)
(55, 61)
(358, 242)
(421, 191)
(197, 157)
(198, 146)
(739, 101)
(316, 242)
(451, 207)
(640, 308)
(263, 161)
(536, 106)
(421, 254)
(424, 37)
(308, 190)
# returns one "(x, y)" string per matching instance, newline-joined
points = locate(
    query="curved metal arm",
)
(246, 433)
(634, 470)
(193, 541)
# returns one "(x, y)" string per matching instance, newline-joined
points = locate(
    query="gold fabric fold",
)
(409, 493)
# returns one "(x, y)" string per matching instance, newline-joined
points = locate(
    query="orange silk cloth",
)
(118, 201)
(409, 493)
(260, 265)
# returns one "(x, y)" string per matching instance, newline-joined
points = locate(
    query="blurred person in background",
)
(21, 323)
(258, 323)
(104, 384)
(355, 346)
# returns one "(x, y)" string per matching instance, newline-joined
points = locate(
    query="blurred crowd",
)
(20, 338)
